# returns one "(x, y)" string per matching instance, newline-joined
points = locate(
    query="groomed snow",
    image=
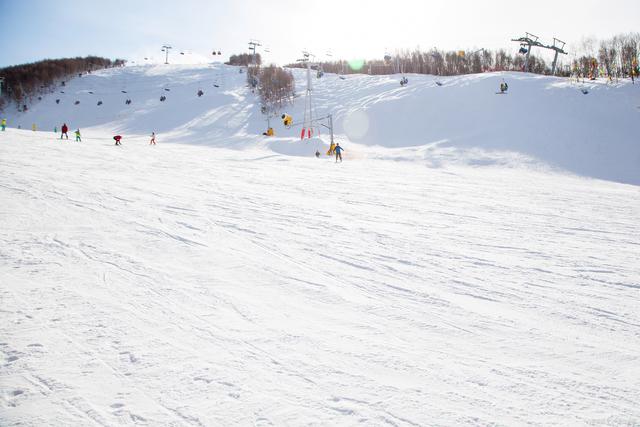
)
(224, 282)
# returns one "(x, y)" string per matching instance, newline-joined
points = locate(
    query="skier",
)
(287, 120)
(338, 151)
(55, 129)
(3, 124)
(117, 139)
(77, 132)
(332, 149)
(153, 139)
(33, 127)
(317, 154)
(269, 132)
(64, 130)
(503, 87)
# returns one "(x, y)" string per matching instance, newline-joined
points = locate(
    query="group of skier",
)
(64, 132)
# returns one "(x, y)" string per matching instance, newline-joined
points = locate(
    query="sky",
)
(31, 30)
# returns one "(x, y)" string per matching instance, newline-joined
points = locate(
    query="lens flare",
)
(356, 64)
(356, 125)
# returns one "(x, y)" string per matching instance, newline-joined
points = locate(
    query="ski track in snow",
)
(184, 285)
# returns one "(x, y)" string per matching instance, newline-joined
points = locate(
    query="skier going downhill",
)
(338, 151)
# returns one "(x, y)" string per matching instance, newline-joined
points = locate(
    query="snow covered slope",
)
(543, 120)
(187, 285)
(214, 279)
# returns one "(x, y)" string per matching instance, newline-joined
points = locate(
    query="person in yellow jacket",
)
(3, 124)
(332, 149)
(287, 120)
(33, 127)
(269, 132)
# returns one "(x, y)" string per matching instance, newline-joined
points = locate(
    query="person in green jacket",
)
(4, 124)
(77, 132)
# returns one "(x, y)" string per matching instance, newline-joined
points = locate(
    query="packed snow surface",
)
(217, 279)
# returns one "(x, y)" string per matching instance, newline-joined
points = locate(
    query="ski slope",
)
(545, 121)
(223, 278)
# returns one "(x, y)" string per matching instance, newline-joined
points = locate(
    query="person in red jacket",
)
(64, 130)
(117, 138)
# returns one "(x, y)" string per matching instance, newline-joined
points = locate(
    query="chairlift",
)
(523, 50)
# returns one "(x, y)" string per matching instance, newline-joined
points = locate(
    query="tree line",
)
(244, 59)
(617, 56)
(23, 82)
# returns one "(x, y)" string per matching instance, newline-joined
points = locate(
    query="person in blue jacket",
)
(338, 151)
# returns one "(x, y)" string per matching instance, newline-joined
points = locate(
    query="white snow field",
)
(460, 267)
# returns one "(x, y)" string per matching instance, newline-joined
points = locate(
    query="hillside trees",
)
(22, 82)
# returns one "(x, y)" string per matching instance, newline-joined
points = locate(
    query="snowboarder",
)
(117, 139)
(287, 120)
(77, 132)
(64, 131)
(503, 87)
(338, 151)
(332, 149)
(3, 124)
(153, 139)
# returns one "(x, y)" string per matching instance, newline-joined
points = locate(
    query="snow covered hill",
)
(542, 120)
(216, 279)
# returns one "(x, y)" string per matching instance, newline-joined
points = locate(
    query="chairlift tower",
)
(165, 49)
(252, 47)
(531, 40)
(1, 84)
(308, 104)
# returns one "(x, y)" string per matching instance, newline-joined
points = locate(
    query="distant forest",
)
(23, 82)
(614, 57)
(243, 59)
